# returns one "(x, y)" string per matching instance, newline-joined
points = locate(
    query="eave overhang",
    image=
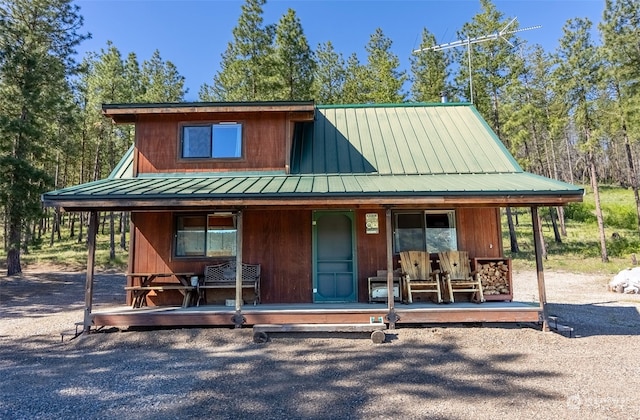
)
(128, 113)
(189, 191)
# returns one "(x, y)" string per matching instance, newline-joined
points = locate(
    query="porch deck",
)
(416, 313)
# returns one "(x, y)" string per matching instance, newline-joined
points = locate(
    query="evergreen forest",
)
(565, 114)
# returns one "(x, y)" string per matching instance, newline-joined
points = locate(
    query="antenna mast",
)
(462, 42)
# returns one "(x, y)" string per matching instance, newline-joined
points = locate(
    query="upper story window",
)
(434, 230)
(220, 140)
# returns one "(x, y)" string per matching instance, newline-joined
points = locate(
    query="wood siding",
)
(264, 140)
(479, 231)
(281, 242)
(371, 250)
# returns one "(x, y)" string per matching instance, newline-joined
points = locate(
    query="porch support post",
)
(238, 318)
(391, 316)
(91, 262)
(540, 270)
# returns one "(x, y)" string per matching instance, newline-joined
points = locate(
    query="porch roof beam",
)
(75, 204)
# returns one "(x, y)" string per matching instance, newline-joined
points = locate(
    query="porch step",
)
(260, 331)
(559, 328)
(72, 333)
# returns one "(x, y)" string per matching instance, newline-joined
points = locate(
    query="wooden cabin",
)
(322, 198)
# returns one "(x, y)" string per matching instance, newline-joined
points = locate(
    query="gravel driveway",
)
(441, 372)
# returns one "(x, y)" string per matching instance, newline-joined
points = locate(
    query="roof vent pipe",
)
(443, 97)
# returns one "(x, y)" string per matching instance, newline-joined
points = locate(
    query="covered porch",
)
(352, 313)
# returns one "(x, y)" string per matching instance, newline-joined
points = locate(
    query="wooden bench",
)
(223, 276)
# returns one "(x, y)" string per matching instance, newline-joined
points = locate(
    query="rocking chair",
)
(456, 270)
(418, 277)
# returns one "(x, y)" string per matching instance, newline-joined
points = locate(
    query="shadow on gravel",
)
(130, 376)
(35, 295)
(602, 318)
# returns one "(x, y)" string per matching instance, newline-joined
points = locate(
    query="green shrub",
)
(622, 246)
(620, 216)
(580, 212)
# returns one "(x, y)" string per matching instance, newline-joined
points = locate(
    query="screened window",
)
(220, 140)
(206, 236)
(433, 230)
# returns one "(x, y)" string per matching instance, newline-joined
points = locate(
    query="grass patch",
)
(70, 255)
(580, 250)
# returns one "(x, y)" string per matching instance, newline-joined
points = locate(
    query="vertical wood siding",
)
(281, 241)
(263, 135)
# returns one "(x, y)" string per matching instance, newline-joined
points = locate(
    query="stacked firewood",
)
(494, 277)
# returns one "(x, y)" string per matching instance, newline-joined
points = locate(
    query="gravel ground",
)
(435, 371)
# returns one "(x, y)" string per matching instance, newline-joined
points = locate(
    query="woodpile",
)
(494, 277)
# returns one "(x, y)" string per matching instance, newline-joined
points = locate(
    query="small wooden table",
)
(147, 285)
(381, 282)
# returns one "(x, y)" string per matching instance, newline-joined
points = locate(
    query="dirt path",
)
(453, 372)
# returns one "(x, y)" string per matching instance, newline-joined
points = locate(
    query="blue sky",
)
(194, 33)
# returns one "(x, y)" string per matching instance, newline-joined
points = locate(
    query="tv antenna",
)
(462, 42)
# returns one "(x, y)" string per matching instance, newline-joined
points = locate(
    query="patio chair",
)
(456, 271)
(418, 276)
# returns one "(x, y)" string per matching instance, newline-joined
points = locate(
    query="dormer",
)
(210, 136)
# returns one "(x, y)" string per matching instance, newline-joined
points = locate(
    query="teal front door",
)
(334, 273)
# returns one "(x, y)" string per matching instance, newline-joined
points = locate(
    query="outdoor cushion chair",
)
(418, 276)
(456, 271)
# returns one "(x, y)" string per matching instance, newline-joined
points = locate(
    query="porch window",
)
(212, 235)
(433, 229)
(219, 140)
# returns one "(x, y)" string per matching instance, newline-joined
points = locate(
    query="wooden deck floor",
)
(417, 313)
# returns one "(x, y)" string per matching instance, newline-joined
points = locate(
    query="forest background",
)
(567, 114)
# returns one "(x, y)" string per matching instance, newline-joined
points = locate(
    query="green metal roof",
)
(382, 153)
(401, 139)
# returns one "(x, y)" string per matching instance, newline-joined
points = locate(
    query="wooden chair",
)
(418, 276)
(456, 271)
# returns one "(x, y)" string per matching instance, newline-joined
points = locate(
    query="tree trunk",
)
(112, 236)
(72, 225)
(563, 226)
(543, 247)
(123, 230)
(554, 223)
(13, 253)
(633, 175)
(512, 233)
(599, 217)
(80, 227)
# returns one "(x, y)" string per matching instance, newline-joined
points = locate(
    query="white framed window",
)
(221, 140)
(431, 230)
(210, 235)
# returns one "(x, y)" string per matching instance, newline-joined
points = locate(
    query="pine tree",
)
(494, 64)
(294, 64)
(37, 41)
(161, 81)
(329, 75)
(577, 77)
(620, 30)
(247, 69)
(430, 71)
(383, 80)
(354, 89)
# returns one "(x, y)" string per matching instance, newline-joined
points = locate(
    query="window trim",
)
(451, 214)
(206, 216)
(211, 124)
